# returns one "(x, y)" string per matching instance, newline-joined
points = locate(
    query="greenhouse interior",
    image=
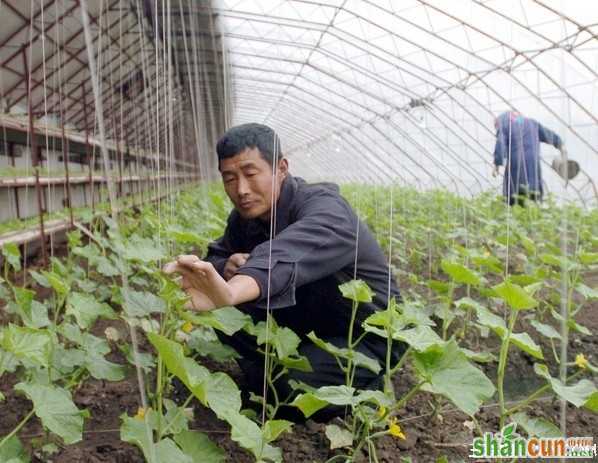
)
(298, 231)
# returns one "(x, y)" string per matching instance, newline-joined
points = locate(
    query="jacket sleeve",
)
(319, 243)
(501, 147)
(548, 136)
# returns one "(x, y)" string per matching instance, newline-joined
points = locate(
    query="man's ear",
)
(283, 168)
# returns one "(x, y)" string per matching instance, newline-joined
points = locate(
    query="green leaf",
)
(584, 393)
(13, 452)
(491, 320)
(135, 432)
(527, 344)
(217, 390)
(459, 273)
(229, 320)
(338, 437)
(545, 330)
(588, 258)
(33, 313)
(420, 338)
(11, 253)
(274, 428)
(199, 447)
(105, 267)
(39, 279)
(587, 292)
(359, 359)
(440, 287)
(308, 403)
(141, 304)
(449, 373)
(536, 427)
(515, 296)
(87, 309)
(58, 283)
(480, 357)
(143, 249)
(247, 434)
(55, 408)
(211, 348)
(357, 291)
(591, 402)
(28, 343)
(167, 452)
(578, 394)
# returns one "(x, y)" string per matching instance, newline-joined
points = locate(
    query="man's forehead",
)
(246, 158)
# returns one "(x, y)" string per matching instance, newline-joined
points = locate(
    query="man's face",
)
(248, 182)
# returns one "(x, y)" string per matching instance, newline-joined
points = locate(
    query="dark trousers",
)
(325, 371)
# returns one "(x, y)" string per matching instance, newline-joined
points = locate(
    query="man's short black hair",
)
(252, 135)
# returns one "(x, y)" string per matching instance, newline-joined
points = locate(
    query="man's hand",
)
(208, 290)
(201, 281)
(563, 151)
(233, 263)
(495, 171)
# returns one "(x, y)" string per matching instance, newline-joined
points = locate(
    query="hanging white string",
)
(109, 182)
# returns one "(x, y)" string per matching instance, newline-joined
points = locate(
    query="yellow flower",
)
(581, 361)
(140, 414)
(381, 412)
(487, 254)
(395, 429)
(187, 327)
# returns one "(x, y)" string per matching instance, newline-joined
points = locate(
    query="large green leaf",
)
(527, 344)
(515, 296)
(55, 408)
(247, 434)
(419, 338)
(87, 309)
(459, 273)
(545, 330)
(33, 313)
(536, 427)
(274, 428)
(138, 432)
(217, 390)
(229, 320)
(13, 452)
(141, 303)
(199, 447)
(28, 343)
(143, 249)
(584, 393)
(578, 394)
(308, 403)
(449, 373)
(357, 291)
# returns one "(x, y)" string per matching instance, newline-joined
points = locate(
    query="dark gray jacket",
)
(312, 253)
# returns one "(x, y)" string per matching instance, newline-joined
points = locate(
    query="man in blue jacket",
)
(518, 141)
(287, 247)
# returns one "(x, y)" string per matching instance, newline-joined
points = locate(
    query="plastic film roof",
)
(407, 91)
